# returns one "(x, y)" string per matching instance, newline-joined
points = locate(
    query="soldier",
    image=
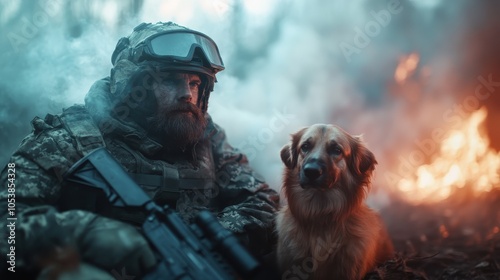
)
(151, 114)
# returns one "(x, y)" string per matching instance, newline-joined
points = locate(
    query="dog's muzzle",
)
(313, 174)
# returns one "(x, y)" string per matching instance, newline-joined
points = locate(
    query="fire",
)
(406, 67)
(464, 161)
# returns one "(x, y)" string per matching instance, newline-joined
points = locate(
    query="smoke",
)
(289, 64)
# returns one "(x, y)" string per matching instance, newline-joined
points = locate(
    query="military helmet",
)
(165, 47)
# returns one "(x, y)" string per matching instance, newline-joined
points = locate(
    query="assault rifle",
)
(202, 250)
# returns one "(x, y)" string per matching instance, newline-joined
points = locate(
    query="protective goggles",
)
(180, 45)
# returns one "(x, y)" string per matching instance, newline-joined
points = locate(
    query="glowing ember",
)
(406, 67)
(443, 231)
(492, 233)
(464, 161)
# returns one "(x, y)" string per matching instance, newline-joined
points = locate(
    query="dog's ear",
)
(362, 159)
(289, 153)
(286, 156)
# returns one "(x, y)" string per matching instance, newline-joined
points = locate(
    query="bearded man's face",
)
(178, 120)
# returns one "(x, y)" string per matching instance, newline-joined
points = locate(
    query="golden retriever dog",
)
(327, 231)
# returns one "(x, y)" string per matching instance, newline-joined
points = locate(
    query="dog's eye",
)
(335, 150)
(305, 147)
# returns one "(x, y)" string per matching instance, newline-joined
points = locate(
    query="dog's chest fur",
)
(306, 241)
(329, 250)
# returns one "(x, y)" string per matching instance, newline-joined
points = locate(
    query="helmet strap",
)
(205, 93)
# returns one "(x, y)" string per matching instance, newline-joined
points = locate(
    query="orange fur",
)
(326, 231)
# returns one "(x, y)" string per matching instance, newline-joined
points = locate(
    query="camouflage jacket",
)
(226, 184)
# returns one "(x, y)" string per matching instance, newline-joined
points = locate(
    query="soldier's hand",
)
(62, 241)
(57, 261)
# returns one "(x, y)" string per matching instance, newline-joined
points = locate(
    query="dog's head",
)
(325, 161)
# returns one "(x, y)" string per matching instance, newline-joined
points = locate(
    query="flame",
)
(463, 160)
(406, 67)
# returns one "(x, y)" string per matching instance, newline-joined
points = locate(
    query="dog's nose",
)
(312, 170)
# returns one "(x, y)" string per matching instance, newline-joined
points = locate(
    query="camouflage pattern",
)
(242, 201)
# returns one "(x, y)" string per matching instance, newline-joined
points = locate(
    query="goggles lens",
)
(181, 45)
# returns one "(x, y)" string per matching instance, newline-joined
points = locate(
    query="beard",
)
(178, 127)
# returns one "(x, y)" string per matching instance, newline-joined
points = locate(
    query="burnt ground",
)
(457, 239)
(452, 259)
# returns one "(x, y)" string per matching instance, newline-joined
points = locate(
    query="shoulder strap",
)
(82, 128)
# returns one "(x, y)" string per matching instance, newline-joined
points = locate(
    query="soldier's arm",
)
(46, 238)
(248, 204)
(32, 189)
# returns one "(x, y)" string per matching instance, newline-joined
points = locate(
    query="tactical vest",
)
(164, 181)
